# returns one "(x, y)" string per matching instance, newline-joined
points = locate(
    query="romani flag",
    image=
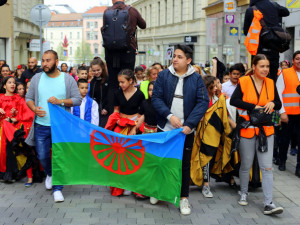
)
(84, 154)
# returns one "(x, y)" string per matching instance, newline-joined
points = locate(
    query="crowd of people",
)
(222, 106)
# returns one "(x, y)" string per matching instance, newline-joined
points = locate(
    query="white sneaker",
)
(58, 196)
(243, 199)
(185, 207)
(206, 192)
(126, 192)
(48, 182)
(153, 200)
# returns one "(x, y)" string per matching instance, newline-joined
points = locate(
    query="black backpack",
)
(115, 33)
(275, 38)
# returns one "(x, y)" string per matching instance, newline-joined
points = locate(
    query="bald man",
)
(31, 71)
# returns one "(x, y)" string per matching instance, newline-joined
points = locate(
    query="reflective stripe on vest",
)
(290, 97)
(249, 95)
(252, 38)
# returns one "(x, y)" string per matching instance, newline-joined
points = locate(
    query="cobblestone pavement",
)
(94, 205)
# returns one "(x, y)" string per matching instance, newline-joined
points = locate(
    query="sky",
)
(79, 6)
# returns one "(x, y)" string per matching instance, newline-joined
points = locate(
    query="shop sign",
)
(229, 5)
(229, 19)
(169, 53)
(190, 39)
(293, 4)
(234, 31)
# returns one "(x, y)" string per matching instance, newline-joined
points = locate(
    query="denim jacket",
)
(195, 98)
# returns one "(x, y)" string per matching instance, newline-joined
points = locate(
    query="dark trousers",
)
(117, 61)
(285, 139)
(186, 164)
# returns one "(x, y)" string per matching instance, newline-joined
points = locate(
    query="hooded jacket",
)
(190, 104)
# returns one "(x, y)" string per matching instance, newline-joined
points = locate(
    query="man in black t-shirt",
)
(31, 71)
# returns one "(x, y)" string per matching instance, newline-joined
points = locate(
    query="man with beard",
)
(55, 87)
(31, 71)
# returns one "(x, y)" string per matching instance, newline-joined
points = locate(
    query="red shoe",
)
(140, 196)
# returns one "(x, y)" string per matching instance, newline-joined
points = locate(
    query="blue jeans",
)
(42, 136)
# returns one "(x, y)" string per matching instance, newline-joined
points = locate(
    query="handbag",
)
(259, 117)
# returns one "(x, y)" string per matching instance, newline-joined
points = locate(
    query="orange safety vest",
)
(249, 95)
(290, 97)
(252, 39)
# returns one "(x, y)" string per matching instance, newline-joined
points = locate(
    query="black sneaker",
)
(272, 209)
(281, 166)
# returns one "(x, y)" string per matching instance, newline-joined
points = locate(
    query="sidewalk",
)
(94, 205)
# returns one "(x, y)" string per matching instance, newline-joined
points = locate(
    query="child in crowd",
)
(21, 90)
(219, 87)
(5, 72)
(158, 66)
(90, 73)
(211, 86)
(88, 110)
(82, 73)
(226, 77)
(124, 120)
(235, 72)
(14, 110)
(152, 74)
(99, 88)
(139, 71)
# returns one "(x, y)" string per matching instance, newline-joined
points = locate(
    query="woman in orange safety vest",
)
(253, 91)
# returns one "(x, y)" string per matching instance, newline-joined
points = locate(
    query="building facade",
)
(65, 28)
(16, 31)
(92, 22)
(170, 22)
(227, 39)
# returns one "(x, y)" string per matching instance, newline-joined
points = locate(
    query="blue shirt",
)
(47, 88)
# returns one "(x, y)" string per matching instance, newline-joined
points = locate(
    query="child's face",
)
(5, 72)
(150, 90)
(82, 74)
(139, 75)
(97, 70)
(21, 90)
(83, 89)
(10, 85)
(219, 85)
(234, 76)
(225, 78)
(124, 83)
(212, 89)
(153, 75)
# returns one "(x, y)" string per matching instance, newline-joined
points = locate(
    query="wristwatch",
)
(62, 103)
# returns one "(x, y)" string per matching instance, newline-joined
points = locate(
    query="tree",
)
(60, 53)
(83, 53)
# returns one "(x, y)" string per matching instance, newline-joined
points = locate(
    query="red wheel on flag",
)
(121, 156)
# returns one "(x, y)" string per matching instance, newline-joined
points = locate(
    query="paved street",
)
(94, 205)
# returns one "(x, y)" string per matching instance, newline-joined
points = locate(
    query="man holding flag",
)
(55, 87)
(180, 99)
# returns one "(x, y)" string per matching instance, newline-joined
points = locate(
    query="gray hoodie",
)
(177, 103)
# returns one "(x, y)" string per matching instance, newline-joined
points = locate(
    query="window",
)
(78, 35)
(158, 13)
(71, 35)
(71, 51)
(96, 35)
(87, 24)
(194, 9)
(96, 24)
(96, 49)
(166, 12)
(88, 35)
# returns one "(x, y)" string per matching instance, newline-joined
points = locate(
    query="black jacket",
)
(28, 74)
(98, 92)
(271, 11)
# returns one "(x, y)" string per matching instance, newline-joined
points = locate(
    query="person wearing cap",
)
(288, 89)
(18, 73)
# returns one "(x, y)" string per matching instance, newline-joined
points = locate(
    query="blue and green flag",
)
(84, 154)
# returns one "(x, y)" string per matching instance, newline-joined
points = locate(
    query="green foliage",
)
(83, 54)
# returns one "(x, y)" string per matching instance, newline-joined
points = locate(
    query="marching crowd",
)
(259, 117)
